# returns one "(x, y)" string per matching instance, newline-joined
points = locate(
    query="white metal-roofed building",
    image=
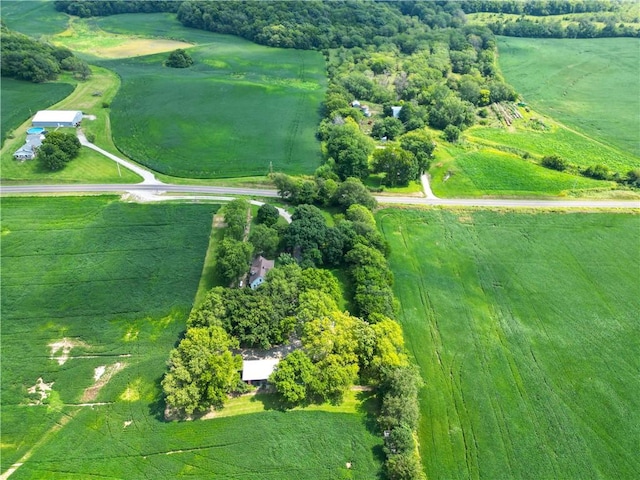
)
(258, 370)
(57, 118)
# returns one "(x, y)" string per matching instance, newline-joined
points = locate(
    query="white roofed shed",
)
(57, 118)
(257, 370)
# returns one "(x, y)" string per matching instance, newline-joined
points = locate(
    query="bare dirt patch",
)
(101, 375)
(40, 388)
(140, 46)
(64, 346)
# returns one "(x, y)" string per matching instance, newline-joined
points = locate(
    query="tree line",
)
(24, 58)
(103, 8)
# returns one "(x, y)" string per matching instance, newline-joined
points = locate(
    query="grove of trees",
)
(24, 58)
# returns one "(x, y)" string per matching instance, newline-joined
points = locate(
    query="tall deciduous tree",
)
(233, 259)
(398, 165)
(202, 370)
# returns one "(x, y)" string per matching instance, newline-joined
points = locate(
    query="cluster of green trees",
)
(57, 150)
(233, 255)
(539, 7)
(104, 8)
(324, 189)
(598, 171)
(315, 24)
(179, 59)
(398, 418)
(313, 243)
(27, 59)
(582, 28)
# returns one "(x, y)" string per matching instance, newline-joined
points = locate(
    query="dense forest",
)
(316, 24)
(27, 59)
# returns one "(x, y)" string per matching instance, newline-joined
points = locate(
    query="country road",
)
(257, 192)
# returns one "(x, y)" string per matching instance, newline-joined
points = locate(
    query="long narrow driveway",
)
(148, 178)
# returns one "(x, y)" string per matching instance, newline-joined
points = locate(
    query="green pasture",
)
(525, 329)
(490, 172)
(239, 111)
(592, 85)
(118, 280)
(33, 17)
(20, 100)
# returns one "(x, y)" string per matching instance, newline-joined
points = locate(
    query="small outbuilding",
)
(259, 269)
(396, 111)
(57, 118)
(258, 371)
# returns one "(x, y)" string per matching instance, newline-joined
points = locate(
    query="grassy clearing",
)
(589, 84)
(570, 145)
(21, 100)
(489, 172)
(525, 329)
(119, 279)
(87, 38)
(239, 110)
(89, 167)
(34, 17)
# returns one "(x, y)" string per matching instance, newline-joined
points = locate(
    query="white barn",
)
(57, 118)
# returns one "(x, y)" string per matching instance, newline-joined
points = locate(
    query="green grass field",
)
(490, 172)
(525, 329)
(589, 84)
(118, 280)
(239, 110)
(33, 17)
(21, 100)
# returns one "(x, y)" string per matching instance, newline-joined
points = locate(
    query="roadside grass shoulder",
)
(524, 328)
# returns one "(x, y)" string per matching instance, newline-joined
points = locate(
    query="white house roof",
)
(57, 116)
(258, 369)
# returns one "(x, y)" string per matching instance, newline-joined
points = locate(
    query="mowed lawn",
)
(525, 327)
(240, 110)
(589, 84)
(116, 281)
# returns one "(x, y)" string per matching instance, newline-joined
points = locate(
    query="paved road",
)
(256, 192)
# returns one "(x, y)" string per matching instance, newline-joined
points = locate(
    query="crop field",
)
(20, 100)
(589, 84)
(33, 17)
(95, 293)
(525, 329)
(240, 110)
(491, 172)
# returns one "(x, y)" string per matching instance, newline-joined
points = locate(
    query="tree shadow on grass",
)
(158, 406)
(271, 401)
